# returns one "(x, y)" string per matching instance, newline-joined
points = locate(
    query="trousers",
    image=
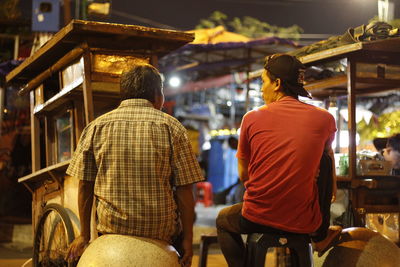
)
(231, 224)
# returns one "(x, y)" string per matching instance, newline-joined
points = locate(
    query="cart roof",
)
(99, 35)
(384, 46)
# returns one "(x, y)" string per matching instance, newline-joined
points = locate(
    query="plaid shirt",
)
(134, 154)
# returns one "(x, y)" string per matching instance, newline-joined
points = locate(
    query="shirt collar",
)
(136, 102)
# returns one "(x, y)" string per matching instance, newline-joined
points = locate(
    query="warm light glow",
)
(175, 81)
(344, 139)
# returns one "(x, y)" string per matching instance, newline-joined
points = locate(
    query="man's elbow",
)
(243, 176)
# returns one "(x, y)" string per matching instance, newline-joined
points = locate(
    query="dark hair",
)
(394, 142)
(290, 70)
(141, 81)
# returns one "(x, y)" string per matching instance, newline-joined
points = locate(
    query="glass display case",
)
(64, 136)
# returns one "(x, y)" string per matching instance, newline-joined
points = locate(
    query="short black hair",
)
(141, 81)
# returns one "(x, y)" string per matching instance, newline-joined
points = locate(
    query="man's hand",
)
(186, 259)
(76, 248)
(334, 191)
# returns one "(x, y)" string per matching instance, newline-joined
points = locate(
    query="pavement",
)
(16, 239)
(17, 250)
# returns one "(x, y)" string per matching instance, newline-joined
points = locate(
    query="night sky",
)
(314, 16)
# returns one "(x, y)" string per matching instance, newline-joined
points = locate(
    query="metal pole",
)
(67, 12)
(2, 95)
(16, 46)
(77, 9)
(232, 107)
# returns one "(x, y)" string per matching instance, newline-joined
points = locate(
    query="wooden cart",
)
(373, 69)
(71, 80)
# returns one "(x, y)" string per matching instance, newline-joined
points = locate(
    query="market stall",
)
(71, 80)
(368, 69)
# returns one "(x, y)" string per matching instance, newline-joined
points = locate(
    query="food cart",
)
(71, 80)
(371, 69)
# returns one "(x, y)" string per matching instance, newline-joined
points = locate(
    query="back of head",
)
(141, 81)
(394, 142)
(290, 71)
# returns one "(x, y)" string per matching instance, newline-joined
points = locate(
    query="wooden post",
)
(154, 60)
(79, 122)
(35, 135)
(50, 141)
(67, 11)
(351, 105)
(87, 87)
(359, 212)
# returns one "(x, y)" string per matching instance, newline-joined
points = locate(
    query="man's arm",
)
(243, 164)
(85, 202)
(185, 204)
(328, 149)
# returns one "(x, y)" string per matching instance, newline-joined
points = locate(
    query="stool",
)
(299, 245)
(204, 193)
(205, 242)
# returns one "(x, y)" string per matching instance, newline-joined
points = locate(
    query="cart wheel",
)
(53, 235)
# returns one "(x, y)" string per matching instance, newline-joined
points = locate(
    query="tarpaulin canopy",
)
(216, 35)
(216, 52)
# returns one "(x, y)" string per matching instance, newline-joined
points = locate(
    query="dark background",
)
(314, 16)
(329, 17)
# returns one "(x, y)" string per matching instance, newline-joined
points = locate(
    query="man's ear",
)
(277, 84)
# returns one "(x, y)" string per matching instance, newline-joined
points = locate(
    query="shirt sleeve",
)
(243, 151)
(83, 164)
(186, 169)
(332, 129)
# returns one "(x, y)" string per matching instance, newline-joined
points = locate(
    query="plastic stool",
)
(205, 242)
(204, 193)
(299, 245)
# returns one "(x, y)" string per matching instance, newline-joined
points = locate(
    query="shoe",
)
(331, 239)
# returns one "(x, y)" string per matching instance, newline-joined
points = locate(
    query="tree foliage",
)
(249, 26)
(383, 126)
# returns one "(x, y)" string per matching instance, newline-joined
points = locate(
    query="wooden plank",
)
(341, 51)
(379, 57)
(77, 31)
(380, 81)
(87, 88)
(35, 135)
(378, 90)
(63, 62)
(79, 122)
(43, 173)
(326, 83)
(131, 30)
(387, 45)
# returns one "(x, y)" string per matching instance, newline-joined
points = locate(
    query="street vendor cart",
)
(71, 80)
(370, 69)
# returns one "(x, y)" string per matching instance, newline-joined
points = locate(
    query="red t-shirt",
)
(283, 143)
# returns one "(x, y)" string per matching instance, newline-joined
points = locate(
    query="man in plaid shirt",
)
(138, 164)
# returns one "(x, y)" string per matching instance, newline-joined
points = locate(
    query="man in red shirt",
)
(279, 153)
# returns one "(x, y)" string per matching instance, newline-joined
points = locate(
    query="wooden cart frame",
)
(369, 194)
(71, 80)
